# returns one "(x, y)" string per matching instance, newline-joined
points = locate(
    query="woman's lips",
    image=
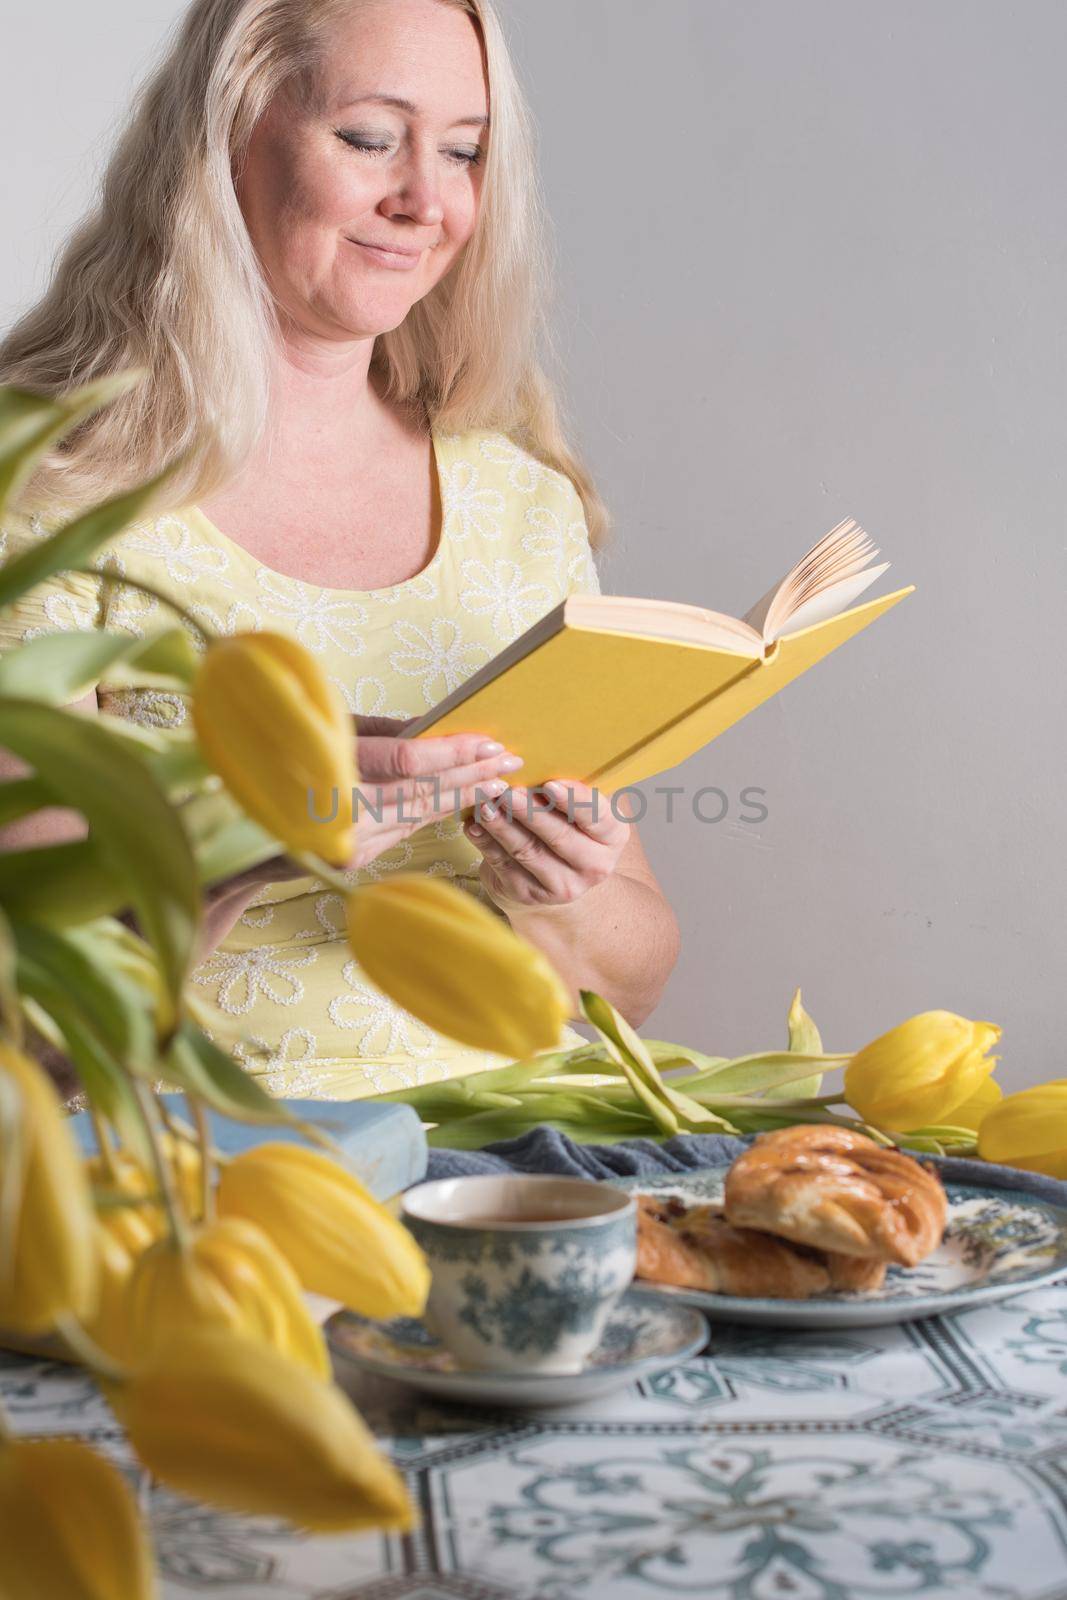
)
(395, 260)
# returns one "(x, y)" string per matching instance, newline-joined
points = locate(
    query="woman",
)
(328, 268)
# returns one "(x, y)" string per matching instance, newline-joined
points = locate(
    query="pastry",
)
(836, 1190)
(696, 1248)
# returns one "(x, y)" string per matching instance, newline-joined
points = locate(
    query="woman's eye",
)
(469, 157)
(370, 144)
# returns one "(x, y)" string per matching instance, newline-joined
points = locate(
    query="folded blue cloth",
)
(546, 1151)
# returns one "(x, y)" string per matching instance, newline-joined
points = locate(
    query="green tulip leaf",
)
(78, 542)
(804, 1039)
(138, 834)
(198, 1066)
(60, 667)
(59, 885)
(30, 424)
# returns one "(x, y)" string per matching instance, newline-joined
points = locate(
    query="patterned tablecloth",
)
(921, 1460)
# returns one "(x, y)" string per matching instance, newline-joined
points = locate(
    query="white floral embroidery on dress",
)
(286, 1068)
(125, 608)
(367, 698)
(148, 708)
(375, 1012)
(466, 509)
(423, 586)
(525, 472)
(170, 540)
(321, 619)
(502, 590)
(240, 617)
(440, 656)
(547, 538)
(241, 977)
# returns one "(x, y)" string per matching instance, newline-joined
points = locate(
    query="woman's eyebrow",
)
(399, 104)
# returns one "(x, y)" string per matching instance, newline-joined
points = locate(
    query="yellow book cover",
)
(609, 690)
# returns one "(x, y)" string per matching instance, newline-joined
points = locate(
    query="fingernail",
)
(487, 813)
(488, 747)
(474, 830)
(495, 786)
(556, 790)
(510, 762)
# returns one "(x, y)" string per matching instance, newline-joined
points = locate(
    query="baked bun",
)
(696, 1248)
(836, 1190)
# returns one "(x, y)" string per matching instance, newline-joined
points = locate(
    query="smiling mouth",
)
(387, 256)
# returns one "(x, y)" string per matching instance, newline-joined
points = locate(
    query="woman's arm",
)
(585, 894)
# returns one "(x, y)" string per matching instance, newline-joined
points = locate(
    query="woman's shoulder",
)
(498, 460)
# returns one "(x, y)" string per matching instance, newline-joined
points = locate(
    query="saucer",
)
(640, 1340)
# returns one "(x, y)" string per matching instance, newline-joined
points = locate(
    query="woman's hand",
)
(397, 779)
(547, 853)
(415, 781)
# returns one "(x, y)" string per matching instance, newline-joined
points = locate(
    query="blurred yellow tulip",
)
(109, 1324)
(241, 1426)
(1029, 1129)
(339, 1240)
(277, 732)
(454, 964)
(48, 1263)
(69, 1528)
(230, 1276)
(973, 1111)
(916, 1075)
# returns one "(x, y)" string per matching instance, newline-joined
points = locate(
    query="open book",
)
(608, 690)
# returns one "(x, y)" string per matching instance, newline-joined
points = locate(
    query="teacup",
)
(525, 1270)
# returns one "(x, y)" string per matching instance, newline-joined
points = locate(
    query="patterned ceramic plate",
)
(641, 1339)
(998, 1242)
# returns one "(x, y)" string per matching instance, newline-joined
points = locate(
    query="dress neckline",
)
(437, 442)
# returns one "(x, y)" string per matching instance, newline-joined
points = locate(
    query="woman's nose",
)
(415, 192)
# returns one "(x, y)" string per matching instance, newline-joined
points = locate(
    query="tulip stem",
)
(87, 1351)
(176, 1223)
(319, 869)
(104, 1145)
(168, 600)
(207, 1165)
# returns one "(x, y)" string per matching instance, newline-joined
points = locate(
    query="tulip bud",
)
(69, 1528)
(974, 1110)
(339, 1240)
(915, 1075)
(47, 1226)
(229, 1275)
(109, 1325)
(1029, 1130)
(135, 1227)
(446, 958)
(276, 731)
(244, 1428)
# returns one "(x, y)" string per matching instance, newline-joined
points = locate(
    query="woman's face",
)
(359, 199)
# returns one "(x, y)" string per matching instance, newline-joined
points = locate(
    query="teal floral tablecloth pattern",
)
(927, 1460)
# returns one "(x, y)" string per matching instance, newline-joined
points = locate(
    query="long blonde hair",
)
(162, 275)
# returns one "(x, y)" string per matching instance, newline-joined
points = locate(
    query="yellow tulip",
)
(48, 1261)
(916, 1075)
(973, 1111)
(340, 1241)
(69, 1528)
(230, 1276)
(446, 958)
(239, 1425)
(1029, 1129)
(135, 1227)
(109, 1325)
(276, 731)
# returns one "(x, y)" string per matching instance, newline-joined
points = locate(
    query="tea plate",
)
(641, 1339)
(997, 1243)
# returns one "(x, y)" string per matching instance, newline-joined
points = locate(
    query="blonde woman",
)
(319, 236)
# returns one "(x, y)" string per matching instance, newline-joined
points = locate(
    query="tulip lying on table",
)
(926, 1085)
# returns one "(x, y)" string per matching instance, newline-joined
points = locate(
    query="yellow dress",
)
(282, 991)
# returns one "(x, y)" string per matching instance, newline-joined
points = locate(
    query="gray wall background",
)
(812, 260)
